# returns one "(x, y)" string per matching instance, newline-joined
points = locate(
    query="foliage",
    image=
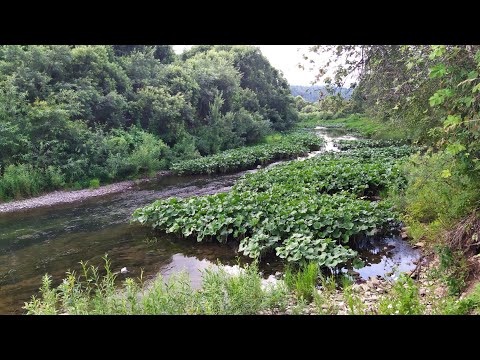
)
(94, 184)
(120, 111)
(289, 146)
(302, 211)
(221, 293)
(323, 252)
(303, 281)
(433, 199)
(330, 173)
(402, 299)
(357, 144)
(465, 305)
(452, 270)
(431, 90)
(23, 180)
(313, 93)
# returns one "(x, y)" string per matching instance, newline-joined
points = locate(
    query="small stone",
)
(124, 270)
(422, 292)
(403, 235)
(438, 292)
(419, 244)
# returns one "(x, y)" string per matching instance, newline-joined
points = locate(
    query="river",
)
(55, 239)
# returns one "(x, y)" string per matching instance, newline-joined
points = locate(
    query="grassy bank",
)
(438, 204)
(356, 123)
(302, 290)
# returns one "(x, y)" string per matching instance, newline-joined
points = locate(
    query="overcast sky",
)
(284, 57)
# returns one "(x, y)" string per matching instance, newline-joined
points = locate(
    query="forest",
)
(272, 202)
(72, 116)
(316, 92)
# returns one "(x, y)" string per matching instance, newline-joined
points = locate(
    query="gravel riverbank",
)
(64, 196)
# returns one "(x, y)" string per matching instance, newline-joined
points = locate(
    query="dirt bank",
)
(63, 196)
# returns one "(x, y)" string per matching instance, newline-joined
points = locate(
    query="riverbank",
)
(70, 196)
(234, 290)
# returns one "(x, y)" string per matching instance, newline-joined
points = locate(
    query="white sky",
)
(283, 57)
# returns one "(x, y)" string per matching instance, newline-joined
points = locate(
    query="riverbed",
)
(53, 239)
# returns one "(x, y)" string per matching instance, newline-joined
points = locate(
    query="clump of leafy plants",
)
(287, 147)
(299, 211)
(265, 221)
(366, 143)
(303, 280)
(402, 299)
(326, 174)
(94, 184)
(221, 293)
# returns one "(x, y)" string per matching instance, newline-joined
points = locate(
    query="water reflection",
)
(55, 239)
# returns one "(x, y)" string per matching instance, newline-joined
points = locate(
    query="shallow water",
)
(55, 239)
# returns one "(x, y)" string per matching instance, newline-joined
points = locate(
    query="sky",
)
(283, 57)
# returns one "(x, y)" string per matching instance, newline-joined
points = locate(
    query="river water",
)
(55, 239)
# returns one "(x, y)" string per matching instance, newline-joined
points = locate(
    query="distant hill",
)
(312, 93)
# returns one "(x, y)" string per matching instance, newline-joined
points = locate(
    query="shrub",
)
(20, 180)
(94, 184)
(439, 192)
(402, 299)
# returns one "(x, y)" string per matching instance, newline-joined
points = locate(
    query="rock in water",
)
(124, 270)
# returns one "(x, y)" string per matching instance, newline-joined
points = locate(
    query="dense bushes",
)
(113, 112)
(102, 156)
(440, 191)
(24, 180)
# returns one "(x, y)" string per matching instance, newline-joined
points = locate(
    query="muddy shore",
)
(70, 196)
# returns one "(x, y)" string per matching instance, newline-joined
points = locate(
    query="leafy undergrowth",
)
(357, 123)
(300, 211)
(330, 173)
(281, 148)
(242, 292)
(367, 143)
(298, 225)
(221, 294)
(386, 154)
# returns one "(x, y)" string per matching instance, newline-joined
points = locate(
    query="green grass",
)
(360, 124)
(94, 184)
(402, 299)
(221, 294)
(470, 304)
(303, 281)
